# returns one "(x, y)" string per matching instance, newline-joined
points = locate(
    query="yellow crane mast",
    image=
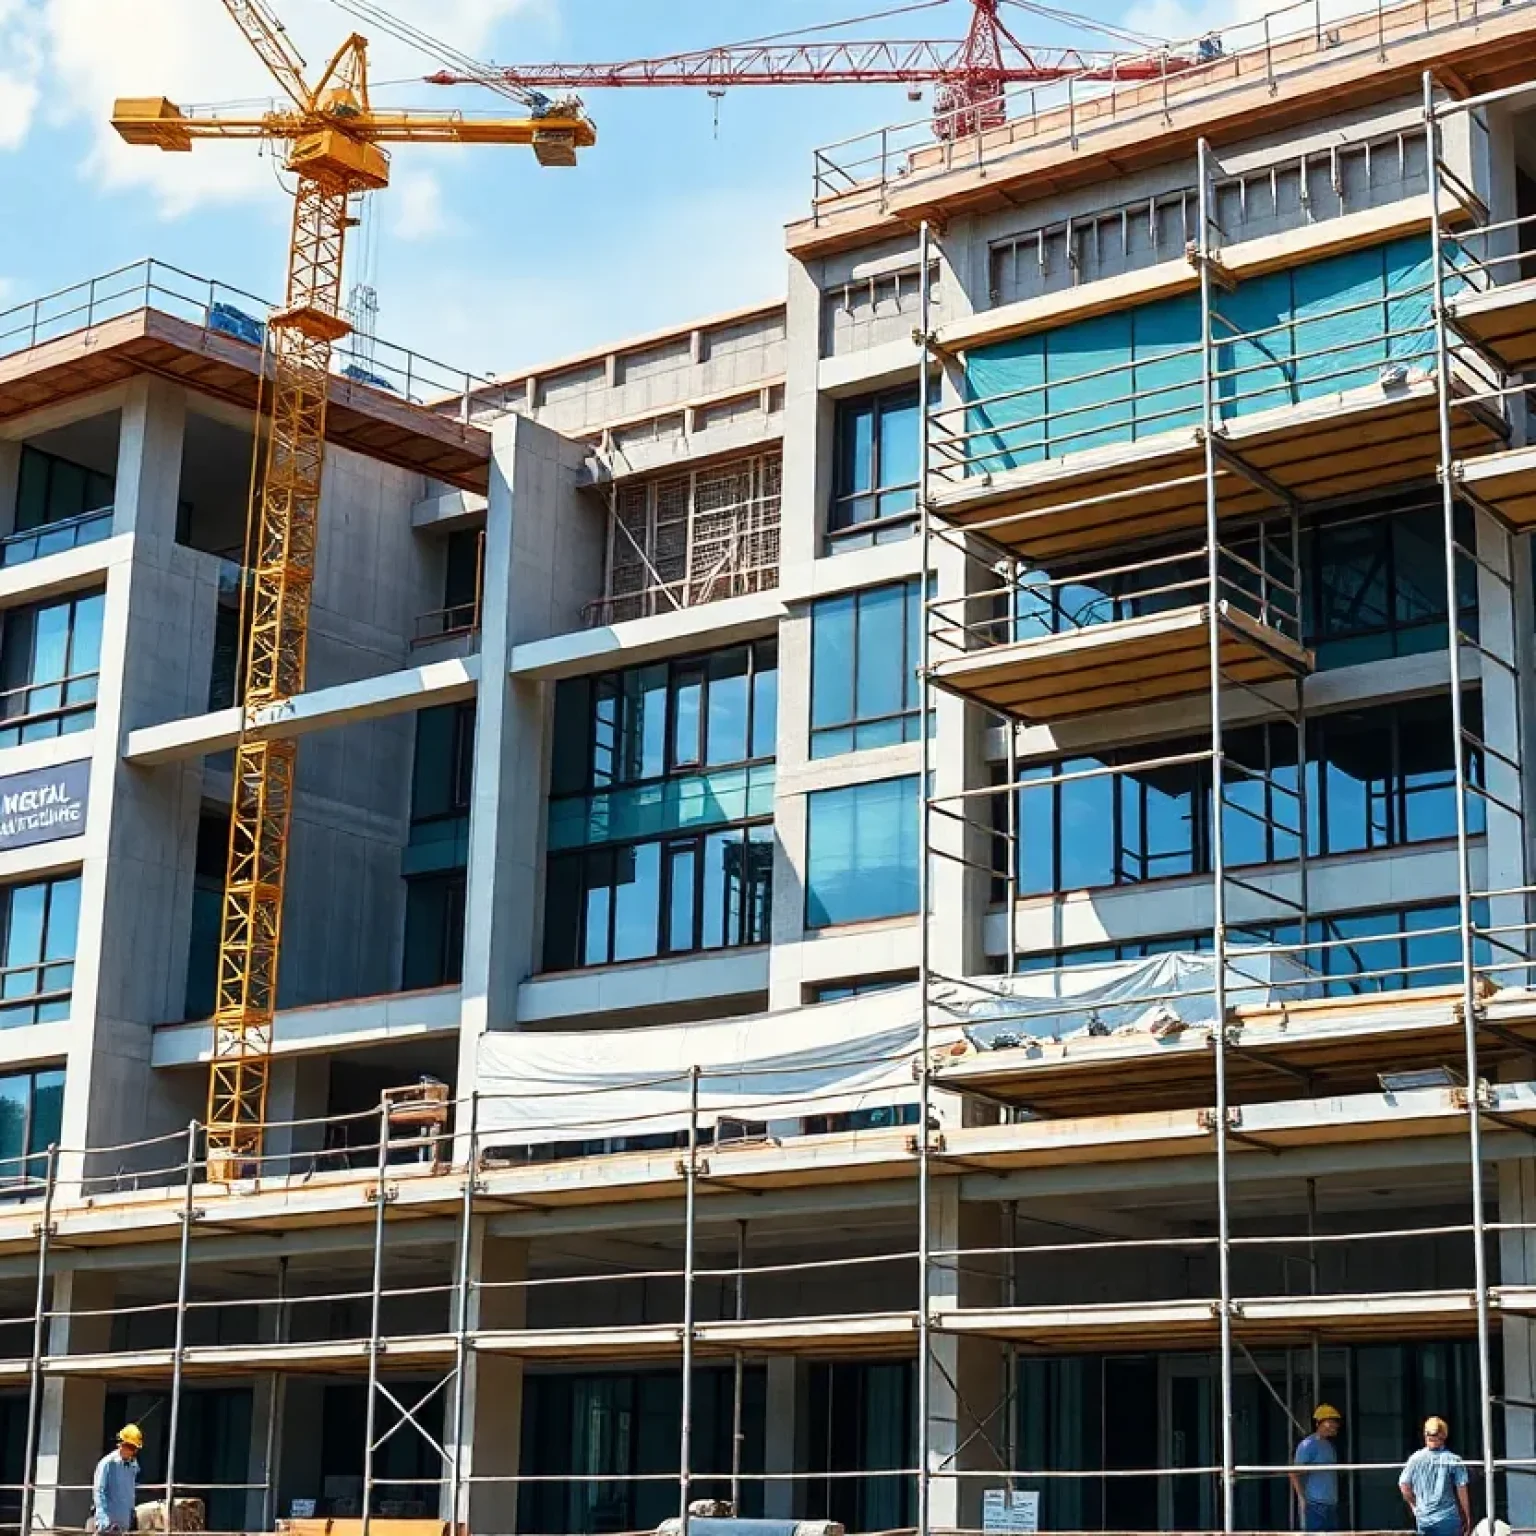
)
(333, 144)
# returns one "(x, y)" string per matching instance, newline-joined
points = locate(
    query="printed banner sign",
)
(1017, 1513)
(42, 805)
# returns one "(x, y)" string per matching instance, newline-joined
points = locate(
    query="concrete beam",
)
(638, 640)
(372, 698)
(71, 570)
(329, 1027)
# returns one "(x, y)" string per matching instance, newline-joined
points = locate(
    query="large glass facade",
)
(1372, 584)
(1376, 778)
(595, 1429)
(861, 1421)
(861, 852)
(865, 649)
(875, 470)
(1385, 949)
(50, 654)
(661, 803)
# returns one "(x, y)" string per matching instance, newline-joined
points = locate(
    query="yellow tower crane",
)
(332, 140)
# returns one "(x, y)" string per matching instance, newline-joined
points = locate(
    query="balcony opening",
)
(65, 485)
(680, 540)
(463, 557)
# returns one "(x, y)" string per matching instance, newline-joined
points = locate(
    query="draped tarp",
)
(1173, 988)
(537, 1086)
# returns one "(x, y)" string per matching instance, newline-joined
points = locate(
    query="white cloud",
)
(71, 58)
(416, 207)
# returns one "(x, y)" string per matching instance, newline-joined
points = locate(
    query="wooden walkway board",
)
(1501, 320)
(1504, 481)
(1100, 500)
(1119, 665)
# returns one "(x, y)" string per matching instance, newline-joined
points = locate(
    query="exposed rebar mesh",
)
(684, 539)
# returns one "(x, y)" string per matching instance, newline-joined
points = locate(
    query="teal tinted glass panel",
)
(1089, 374)
(861, 852)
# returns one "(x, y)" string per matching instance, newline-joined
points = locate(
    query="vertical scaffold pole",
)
(924, 959)
(1218, 848)
(458, 1515)
(274, 1407)
(179, 1348)
(690, 1238)
(39, 1344)
(739, 1374)
(375, 1321)
(1459, 746)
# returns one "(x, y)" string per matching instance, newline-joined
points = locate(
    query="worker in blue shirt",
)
(1317, 1491)
(116, 1484)
(1434, 1485)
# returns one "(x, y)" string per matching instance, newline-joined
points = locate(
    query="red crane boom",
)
(971, 75)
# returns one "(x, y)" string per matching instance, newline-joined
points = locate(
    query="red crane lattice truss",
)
(971, 75)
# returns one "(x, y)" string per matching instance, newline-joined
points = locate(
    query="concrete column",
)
(10, 483)
(966, 1376)
(70, 1429)
(1498, 609)
(489, 1442)
(138, 849)
(1517, 1266)
(543, 561)
(782, 1426)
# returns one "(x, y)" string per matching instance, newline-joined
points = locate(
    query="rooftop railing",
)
(863, 171)
(217, 307)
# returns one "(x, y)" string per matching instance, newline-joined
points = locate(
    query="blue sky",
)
(480, 258)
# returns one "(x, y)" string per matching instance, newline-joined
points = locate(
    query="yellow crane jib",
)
(334, 145)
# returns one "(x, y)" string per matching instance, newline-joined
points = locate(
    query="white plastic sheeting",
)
(1173, 988)
(537, 1086)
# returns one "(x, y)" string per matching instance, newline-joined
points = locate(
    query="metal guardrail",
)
(232, 312)
(54, 538)
(862, 171)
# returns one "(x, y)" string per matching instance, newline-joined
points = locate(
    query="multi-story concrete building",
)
(1112, 547)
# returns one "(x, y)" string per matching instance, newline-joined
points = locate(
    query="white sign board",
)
(1017, 1513)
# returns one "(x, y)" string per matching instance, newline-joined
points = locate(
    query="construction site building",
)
(910, 905)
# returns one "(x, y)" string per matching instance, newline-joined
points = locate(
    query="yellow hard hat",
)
(1325, 1411)
(131, 1434)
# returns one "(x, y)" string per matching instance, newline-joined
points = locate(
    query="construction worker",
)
(1317, 1492)
(1434, 1485)
(116, 1483)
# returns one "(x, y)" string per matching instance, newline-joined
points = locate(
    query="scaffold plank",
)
(1126, 663)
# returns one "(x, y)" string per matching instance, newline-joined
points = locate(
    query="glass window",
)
(443, 772)
(865, 648)
(645, 723)
(674, 895)
(861, 852)
(31, 1111)
(38, 922)
(51, 490)
(874, 497)
(1376, 778)
(434, 931)
(49, 657)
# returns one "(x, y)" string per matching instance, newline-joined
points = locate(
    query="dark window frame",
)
(610, 686)
(1281, 809)
(842, 530)
(907, 664)
(49, 721)
(672, 846)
